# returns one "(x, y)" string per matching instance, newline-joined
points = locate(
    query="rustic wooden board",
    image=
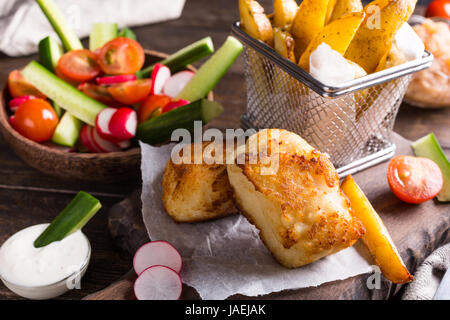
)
(416, 229)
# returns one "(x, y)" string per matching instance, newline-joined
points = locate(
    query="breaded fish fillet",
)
(197, 192)
(299, 209)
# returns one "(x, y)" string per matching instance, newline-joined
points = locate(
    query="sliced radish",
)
(175, 104)
(123, 124)
(158, 283)
(123, 144)
(86, 139)
(116, 79)
(102, 123)
(11, 120)
(157, 253)
(104, 145)
(16, 102)
(177, 82)
(160, 75)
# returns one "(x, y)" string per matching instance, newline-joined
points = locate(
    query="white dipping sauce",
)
(23, 264)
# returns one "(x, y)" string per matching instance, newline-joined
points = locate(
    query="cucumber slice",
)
(74, 217)
(62, 93)
(58, 110)
(67, 131)
(159, 129)
(186, 56)
(49, 53)
(127, 33)
(101, 33)
(428, 147)
(212, 71)
(59, 23)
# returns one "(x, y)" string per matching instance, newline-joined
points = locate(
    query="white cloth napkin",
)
(23, 25)
(226, 256)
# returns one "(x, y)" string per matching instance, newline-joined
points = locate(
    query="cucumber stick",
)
(74, 217)
(59, 23)
(180, 59)
(101, 33)
(159, 129)
(428, 147)
(62, 93)
(67, 131)
(127, 33)
(212, 71)
(49, 53)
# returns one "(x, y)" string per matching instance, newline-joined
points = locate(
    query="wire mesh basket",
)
(351, 122)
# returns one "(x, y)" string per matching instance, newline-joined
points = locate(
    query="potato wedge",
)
(284, 44)
(284, 12)
(343, 7)
(308, 22)
(392, 58)
(376, 238)
(330, 10)
(255, 22)
(374, 37)
(337, 34)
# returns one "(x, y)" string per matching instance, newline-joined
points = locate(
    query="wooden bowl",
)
(95, 167)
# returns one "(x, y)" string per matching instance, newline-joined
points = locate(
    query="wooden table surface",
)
(28, 197)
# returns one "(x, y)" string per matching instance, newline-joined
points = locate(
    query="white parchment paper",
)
(226, 256)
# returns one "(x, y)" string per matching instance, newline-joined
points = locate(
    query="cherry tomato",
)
(149, 105)
(439, 8)
(413, 179)
(79, 65)
(99, 93)
(131, 92)
(121, 56)
(19, 86)
(36, 120)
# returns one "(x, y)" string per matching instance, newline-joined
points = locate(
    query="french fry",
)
(284, 12)
(330, 10)
(337, 34)
(308, 21)
(374, 37)
(343, 7)
(284, 44)
(376, 238)
(255, 22)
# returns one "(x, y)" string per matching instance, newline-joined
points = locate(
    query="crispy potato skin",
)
(308, 21)
(197, 192)
(255, 22)
(300, 210)
(284, 12)
(377, 238)
(284, 44)
(343, 7)
(337, 34)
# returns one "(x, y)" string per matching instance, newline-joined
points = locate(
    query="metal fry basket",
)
(351, 122)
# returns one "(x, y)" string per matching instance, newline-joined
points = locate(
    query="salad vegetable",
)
(49, 53)
(127, 33)
(101, 33)
(67, 131)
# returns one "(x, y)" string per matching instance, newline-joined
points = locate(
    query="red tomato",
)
(131, 92)
(439, 8)
(413, 179)
(99, 93)
(149, 105)
(19, 86)
(79, 65)
(36, 120)
(121, 56)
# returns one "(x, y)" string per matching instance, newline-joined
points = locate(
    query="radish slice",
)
(177, 82)
(102, 123)
(123, 144)
(105, 146)
(160, 75)
(116, 79)
(123, 124)
(156, 253)
(16, 102)
(86, 139)
(175, 104)
(158, 283)
(11, 120)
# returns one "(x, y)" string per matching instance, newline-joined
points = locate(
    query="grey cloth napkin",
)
(429, 275)
(23, 25)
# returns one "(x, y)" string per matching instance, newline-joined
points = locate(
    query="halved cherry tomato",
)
(131, 92)
(79, 65)
(121, 56)
(36, 120)
(149, 105)
(439, 8)
(99, 93)
(414, 179)
(19, 86)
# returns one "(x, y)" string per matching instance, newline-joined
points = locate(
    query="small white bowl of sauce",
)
(47, 272)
